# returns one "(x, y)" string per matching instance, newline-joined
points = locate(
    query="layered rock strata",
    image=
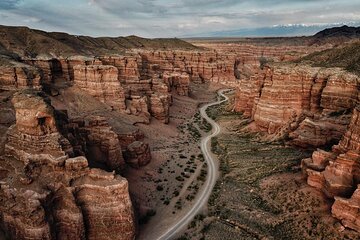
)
(137, 154)
(19, 77)
(200, 66)
(101, 82)
(180, 82)
(47, 195)
(312, 106)
(337, 173)
(103, 144)
(347, 210)
(54, 69)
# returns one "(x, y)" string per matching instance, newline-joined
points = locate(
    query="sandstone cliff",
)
(311, 107)
(46, 194)
(101, 82)
(19, 76)
(337, 173)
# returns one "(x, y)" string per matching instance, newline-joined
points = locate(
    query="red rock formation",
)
(249, 92)
(201, 65)
(19, 77)
(102, 143)
(303, 101)
(347, 210)
(312, 107)
(178, 81)
(283, 98)
(159, 107)
(129, 66)
(279, 52)
(137, 154)
(47, 195)
(338, 172)
(144, 94)
(106, 206)
(127, 138)
(23, 216)
(68, 217)
(55, 69)
(318, 130)
(139, 106)
(35, 130)
(101, 82)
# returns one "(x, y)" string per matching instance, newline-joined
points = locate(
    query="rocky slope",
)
(23, 41)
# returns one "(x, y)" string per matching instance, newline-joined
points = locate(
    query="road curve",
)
(212, 174)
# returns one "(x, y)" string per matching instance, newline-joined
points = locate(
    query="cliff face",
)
(139, 82)
(312, 107)
(200, 66)
(46, 194)
(337, 173)
(21, 76)
(101, 82)
(309, 105)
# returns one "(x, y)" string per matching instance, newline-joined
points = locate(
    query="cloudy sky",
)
(169, 18)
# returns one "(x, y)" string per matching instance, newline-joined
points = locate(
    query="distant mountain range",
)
(273, 31)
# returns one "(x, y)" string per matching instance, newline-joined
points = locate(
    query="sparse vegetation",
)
(245, 199)
(346, 57)
(179, 178)
(178, 204)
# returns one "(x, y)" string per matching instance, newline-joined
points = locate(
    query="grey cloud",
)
(9, 4)
(169, 18)
(130, 7)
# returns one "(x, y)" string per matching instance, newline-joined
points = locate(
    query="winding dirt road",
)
(212, 174)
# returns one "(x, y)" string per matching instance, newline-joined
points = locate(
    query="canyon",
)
(85, 125)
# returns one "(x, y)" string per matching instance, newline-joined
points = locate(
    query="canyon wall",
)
(47, 192)
(140, 82)
(312, 108)
(20, 76)
(337, 173)
(101, 82)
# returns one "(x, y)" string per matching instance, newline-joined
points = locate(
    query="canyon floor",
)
(164, 190)
(262, 193)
